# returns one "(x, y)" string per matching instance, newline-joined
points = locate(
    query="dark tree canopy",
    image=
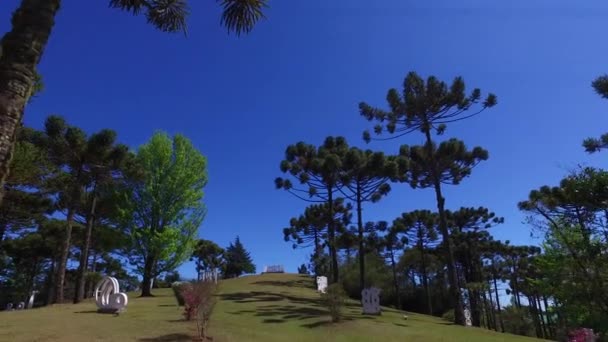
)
(238, 261)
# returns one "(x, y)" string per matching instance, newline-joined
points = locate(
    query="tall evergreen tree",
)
(161, 204)
(106, 159)
(22, 47)
(428, 107)
(365, 177)
(208, 257)
(318, 169)
(238, 261)
(310, 229)
(419, 227)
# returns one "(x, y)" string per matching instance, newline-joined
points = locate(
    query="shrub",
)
(582, 335)
(449, 315)
(334, 299)
(199, 303)
(178, 288)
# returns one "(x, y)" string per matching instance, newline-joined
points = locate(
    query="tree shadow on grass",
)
(303, 283)
(167, 338)
(401, 325)
(167, 305)
(87, 311)
(263, 296)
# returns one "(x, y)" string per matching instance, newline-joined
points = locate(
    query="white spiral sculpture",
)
(108, 296)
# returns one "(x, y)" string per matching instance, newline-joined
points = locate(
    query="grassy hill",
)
(270, 307)
(285, 307)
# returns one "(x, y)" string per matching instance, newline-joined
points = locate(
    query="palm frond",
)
(168, 15)
(133, 6)
(240, 16)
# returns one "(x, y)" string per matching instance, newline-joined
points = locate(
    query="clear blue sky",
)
(300, 75)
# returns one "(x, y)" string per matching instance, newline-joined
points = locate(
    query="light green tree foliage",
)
(162, 204)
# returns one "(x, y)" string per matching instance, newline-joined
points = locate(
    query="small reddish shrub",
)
(582, 335)
(199, 303)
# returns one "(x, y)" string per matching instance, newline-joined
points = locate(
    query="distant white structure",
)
(108, 296)
(322, 284)
(21, 306)
(370, 299)
(30, 302)
(274, 269)
(467, 317)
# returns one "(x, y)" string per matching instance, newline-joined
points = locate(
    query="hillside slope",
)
(285, 307)
(146, 320)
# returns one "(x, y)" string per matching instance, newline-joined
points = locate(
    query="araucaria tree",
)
(366, 175)
(319, 171)
(161, 205)
(428, 107)
(22, 48)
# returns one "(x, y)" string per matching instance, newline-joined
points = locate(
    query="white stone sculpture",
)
(108, 296)
(467, 317)
(30, 302)
(9, 306)
(21, 306)
(322, 284)
(370, 299)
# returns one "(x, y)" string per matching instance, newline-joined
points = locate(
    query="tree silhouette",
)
(238, 260)
(365, 177)
(428, 107)
(419, 227)
(319, 171)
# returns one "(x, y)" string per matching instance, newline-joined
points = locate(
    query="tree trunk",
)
(534, 314)
(49, 283)
(361, 244)
(84, 254)
(93, 269)
(488, 322)
(332, 237)
(63, 260)
(498, 309)
(492, 313)
(543, 324)
(22, 49)
(146, 284)
(550, 322)
(445, 233)
(425, 279)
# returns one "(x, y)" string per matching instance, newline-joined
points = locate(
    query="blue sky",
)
(300, 75)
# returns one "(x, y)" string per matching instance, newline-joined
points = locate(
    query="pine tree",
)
(428, 107)
(238, 261)
(303, 269)
(318, 169)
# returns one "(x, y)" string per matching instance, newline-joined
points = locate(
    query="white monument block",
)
(108, 296)
(370, 299)
(30, 302)
(467, 317)
(322, 284)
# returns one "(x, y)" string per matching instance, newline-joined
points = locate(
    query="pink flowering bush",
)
(582, 335)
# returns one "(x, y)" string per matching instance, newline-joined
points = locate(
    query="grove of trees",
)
(445, 261)
(84, 199)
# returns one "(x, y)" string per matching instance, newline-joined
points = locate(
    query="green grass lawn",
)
(270, 307)
(146, 319)
(284, 307)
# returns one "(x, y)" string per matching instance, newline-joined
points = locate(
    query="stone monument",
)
(322, 284)
(467, 317)
(21, 306)
(30, 302)
(370, 299)
(108, 297)
(9, 306)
